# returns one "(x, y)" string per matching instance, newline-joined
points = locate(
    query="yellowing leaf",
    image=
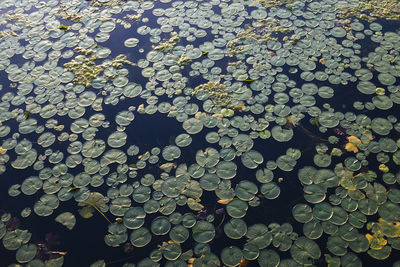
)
(381, 230)
(86, 212)
(224, 201)
(366, 136)
(383, 168)
(2, 150)
(376, 241)
(380, 91)
(355, 194)
(336, 152)
(352, 145)
(369, 237)
(354, 140)
(194, 204)
(389, 229)
(348, 184)
(168, 166)
(244, 262)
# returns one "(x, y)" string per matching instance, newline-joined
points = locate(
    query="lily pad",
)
(235, 228)
(231, 256)
(268, 257)
(67, 219)
(140, 237)
(160, 226)
(26, 253)
(203, 232)
(305, 251)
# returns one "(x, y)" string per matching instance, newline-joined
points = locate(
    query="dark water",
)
(86, 244)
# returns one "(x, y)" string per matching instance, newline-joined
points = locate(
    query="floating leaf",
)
(237, 208)
(268, 257)
(302, 213)
(140, 237)
(13, 240)
(46, 205)
(203, 232)
(235, 228)
(304, 251)
(179, 234)
(134, 218)
(67, 219)
(95, 201)
(26, 253)
(160, 226)
(231, 256)
(259, 236)
(194, 204)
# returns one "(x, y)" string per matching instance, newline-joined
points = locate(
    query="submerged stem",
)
(311, 135)
(220, 223)
(102, 214)
(121, 260)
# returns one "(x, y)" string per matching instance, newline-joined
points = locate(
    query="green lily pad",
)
(67, 219)
(280, 134)
(380, 254)
(203, 232)
(302, 213)
(160, 226)
(13, 240)
(337, 246)
(268, 258)
(26, 253)
(251, 159)
(226, 169)
(171, 251)
(235, 228)
(313, 229)
(305, 251)
(140, 237)
(237, 208)
(270, 190)
(134, 218)
(46, 205)
(179, 234)
(259, 236)
(231, 256)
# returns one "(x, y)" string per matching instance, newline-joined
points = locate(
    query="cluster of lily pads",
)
(252, 73)
(372, 10)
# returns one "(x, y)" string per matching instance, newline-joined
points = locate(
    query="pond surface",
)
(199, 133)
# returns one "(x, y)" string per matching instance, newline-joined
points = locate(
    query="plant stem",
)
(102, 214)
(220, 223)
(120, 260)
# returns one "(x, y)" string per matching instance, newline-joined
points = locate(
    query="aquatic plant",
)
(274, 3)
(95, 201)
(63, 27)
(85, 69)
(169, 44)
(185, 125)
(371, 10)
